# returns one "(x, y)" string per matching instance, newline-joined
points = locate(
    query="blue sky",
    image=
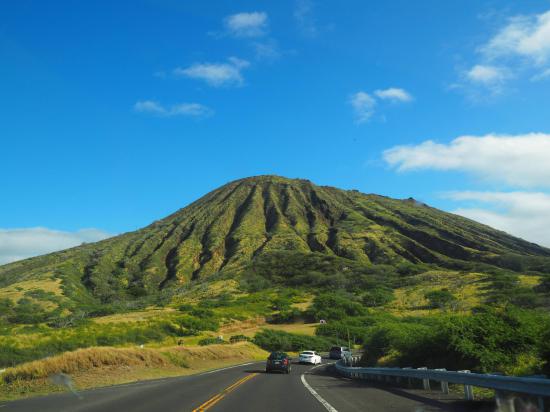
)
(113, 114)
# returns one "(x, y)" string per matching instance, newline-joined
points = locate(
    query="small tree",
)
(377, 297)
(439, 298)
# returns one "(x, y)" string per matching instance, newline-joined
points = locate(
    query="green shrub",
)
(211, 341)
(185, 307)
(193, 323)
(341, 332)
(489, 340)
(335, 306)
(273, 340)
(286, 316)
(239, 338)
(27, 312)
(378, 297)
(439, 298)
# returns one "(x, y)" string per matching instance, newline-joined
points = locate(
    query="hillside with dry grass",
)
(227, 230)
(263, 259)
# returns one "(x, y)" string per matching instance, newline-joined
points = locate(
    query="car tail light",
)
(285, 361)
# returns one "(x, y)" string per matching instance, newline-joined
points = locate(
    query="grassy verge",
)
(103, 366)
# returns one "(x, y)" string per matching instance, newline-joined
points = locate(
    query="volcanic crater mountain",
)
(228, 229)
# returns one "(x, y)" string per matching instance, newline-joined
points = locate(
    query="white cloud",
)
(545, 74)
(17, 244)
(363, 106)
(523, 36)
(364, 103)
(149, 106)
(190, 109)
(523, 214)
(253, 24)
(216, 74)
(303, 14)
(487, 75)
(520, 160)
(394, 94)
(181, 109)
(268, 50)
(519, 48)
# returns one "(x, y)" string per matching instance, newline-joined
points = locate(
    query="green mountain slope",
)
(236, 225)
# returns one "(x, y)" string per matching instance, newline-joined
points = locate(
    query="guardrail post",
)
(444, 385)
(468, 389)
(409, 383)
(425, 382)
(505, 401)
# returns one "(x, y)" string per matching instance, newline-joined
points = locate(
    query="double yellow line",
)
(215, 399)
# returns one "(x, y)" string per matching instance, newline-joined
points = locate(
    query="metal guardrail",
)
(502, 384)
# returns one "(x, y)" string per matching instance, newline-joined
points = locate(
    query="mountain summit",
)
(232, 226)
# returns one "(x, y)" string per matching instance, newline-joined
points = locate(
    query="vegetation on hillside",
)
(248, 222)
(416, 286)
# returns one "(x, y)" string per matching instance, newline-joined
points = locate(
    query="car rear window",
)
(277, 356)
(336, 348)
(307, 353)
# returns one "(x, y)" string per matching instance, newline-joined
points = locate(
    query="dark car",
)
(278, 361)
(339, 352)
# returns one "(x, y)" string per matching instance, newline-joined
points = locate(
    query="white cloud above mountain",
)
(523, 214)
(21, 243)
(524, 36)
(247, 24)
(216, 74)
(364, 104)
(394, 94)
(180, 109)
(496, 161)
(516, 160)
(305, 19)
(519, 48)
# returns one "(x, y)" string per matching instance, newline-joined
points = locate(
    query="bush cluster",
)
(273, 340)
(492, 339)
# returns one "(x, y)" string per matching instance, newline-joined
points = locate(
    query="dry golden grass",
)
(467, 287)
(240, 327)
(134, 316)
(84, 360)
(96, 367)
(17, 290)
(300, 328)
(305, 304)
(251, 326)
(208, 291)
(529, 280)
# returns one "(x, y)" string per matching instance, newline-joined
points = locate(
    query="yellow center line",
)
(216, 398)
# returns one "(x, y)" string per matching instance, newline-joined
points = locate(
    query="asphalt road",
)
(246, 388)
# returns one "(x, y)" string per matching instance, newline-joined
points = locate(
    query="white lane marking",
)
(327, 405)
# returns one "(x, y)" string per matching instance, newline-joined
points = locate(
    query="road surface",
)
(246, 388)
